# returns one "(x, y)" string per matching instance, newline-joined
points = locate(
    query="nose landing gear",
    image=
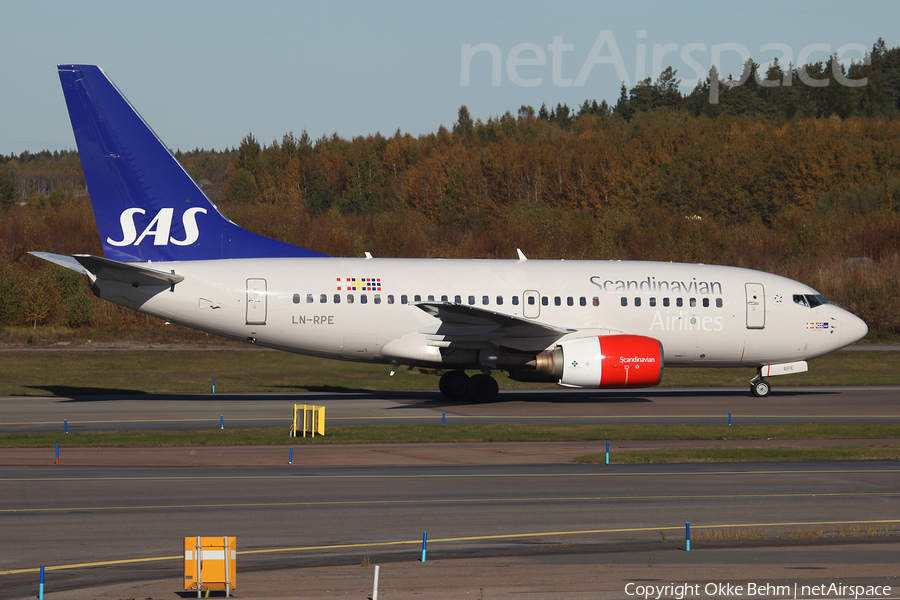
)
(759, 387)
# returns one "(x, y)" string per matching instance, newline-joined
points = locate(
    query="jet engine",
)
(606, 361)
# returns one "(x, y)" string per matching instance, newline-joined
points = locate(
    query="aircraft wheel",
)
(482, 388)
(453, 384)
(760, 389)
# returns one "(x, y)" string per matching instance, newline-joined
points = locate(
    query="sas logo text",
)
(159, 228)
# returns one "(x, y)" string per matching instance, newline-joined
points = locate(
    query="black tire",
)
(454, 384)
(482, 388)
(760, 389)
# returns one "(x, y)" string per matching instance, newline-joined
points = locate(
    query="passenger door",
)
(756, 306)
(256, 302)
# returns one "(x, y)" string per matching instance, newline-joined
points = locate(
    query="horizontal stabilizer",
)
(111, 270)
(63, 261)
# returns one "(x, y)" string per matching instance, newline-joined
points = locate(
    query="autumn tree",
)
(7, 189)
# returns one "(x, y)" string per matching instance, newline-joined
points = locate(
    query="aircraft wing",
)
(462, 318)
(463, 326)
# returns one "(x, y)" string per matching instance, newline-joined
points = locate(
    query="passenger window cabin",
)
(805, 300)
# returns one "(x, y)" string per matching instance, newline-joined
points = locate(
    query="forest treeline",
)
(794, 179)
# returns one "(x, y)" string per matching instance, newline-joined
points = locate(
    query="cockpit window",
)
(815, 300)
(810, 300)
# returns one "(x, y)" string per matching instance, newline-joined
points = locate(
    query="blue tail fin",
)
(146, 205)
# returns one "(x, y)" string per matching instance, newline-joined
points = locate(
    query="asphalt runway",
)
(875, 404)
(101, 526)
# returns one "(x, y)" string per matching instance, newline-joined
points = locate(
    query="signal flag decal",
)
(360, 284)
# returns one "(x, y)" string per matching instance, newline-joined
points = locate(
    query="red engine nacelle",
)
(607, 361)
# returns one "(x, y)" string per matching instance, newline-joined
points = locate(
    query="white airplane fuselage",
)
(703, 315)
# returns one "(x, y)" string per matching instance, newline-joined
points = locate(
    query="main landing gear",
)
(759, 387)
(456, 385)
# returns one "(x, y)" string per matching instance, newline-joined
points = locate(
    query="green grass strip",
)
(527, 432)
(716, 454)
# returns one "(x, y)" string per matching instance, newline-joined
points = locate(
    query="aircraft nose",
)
(853, 329)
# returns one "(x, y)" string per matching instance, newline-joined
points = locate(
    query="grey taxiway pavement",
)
(875, 404)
